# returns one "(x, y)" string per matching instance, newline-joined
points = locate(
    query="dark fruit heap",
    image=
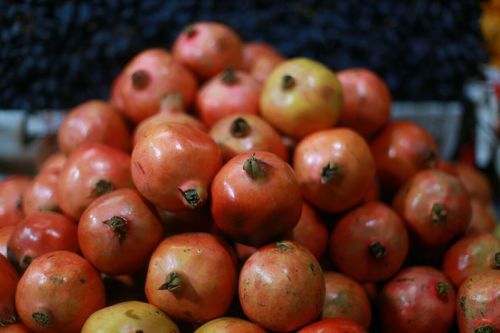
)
(59, 54)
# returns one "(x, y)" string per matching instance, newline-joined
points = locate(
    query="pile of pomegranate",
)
(225, 188)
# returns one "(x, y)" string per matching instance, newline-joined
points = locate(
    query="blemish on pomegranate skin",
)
(141, 169)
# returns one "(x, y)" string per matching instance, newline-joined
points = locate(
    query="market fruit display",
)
(225, 188)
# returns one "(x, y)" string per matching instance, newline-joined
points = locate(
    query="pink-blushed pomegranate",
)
(11, 199)
(470, 255)
(334, 168)
(419, 299)
(476, 182)
(207, 48)
(41, 194)
(192, 277)
(400, 151)
(367, 101)
(173, 166)
(301, 96)
(478, 303)
(93, 121)
(370, 243)
(255, 198)
(231, 92)
(54, 163)
(241, 133)
(333, 325)
(281, 287)
(260, 59)
(435, 208)
(150, 76)
(345, 298)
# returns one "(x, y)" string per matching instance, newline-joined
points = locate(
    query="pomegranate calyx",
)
(439, 213)
(228, 77)
(140, 79)
(255, 168)
(429, 157)
(239, 128)
(287, 82)
(484, 329)
(377, 250)
(192, 197)
(330, 172)
(283, 246)
(102, 187)
(442, 289)
(7, 321)
(42, 318)
(189, 30)
(173, 282)
(119, 226)
(497, 260)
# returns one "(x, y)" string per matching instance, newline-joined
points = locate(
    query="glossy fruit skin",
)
(8, 280)
(87, 168)
(301, 96)
(58, 292)
(148, 77)
(206, 268)
(260, 59)
(172, 160)
(400, 151)
(15, 328)
(228, 93)
(115, 95)
(482, 219)
(5, 233)
(367, 101)
(11, 199)
(93, 121)
(334, 168)
(125, 248)
(41, 194)
(310, 232)
(470, 255)
(476, 183)
(418, 299)
(229, 325)
(131, 316)
(370, 243)
(333, 325)
(239, 133)
(434, 206)
(345, 298)
(145, 126)
(207, 48)
(281, 287)
(255, 208)
(478, 303)
(38, 234)
(54, 163)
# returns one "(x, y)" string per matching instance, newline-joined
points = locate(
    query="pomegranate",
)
(231, 92)
(54, 163)
(254, 51)
(255, 198)
(400, 151)
(192, 277)
(173, 165)
(240, 133)
(229, 325)
(91, 170)
(41, 194)
(367, 101)
(301, 96)
(476, 183)
(58, 292)
(478, 303)
(370, 243)
(38, 234)
(207, 48)
(334, 168)
(345, 298)
(333, 325)
(118, 232)
(482, 220)
(93, 121)
(8, 281)
(150, 76)
(418, 299)
(435, 208)
(471, 255)
(281, 287)
(310, 232)
(11, 199)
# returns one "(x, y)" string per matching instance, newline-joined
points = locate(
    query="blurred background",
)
(437, 57)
